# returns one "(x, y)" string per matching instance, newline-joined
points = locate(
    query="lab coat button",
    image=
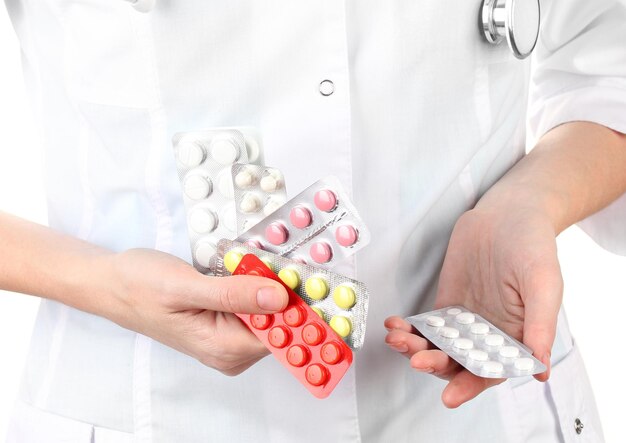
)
(579, 426)
(327, 87)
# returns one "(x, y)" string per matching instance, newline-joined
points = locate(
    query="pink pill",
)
(321, 252)
(254, 244)
(300, 217)
(325, 200)
(346, 235)
(276, 233)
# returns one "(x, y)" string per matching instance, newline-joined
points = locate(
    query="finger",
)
(435, 362)
(405, 342)
(396, 322)
(243, 294)
(464, 386)
(542, 300)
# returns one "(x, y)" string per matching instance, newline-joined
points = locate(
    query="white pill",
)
(197, 187)
(449, 332)
(225, 150)
(272, 204)
(477, 355)
(203, 252)
(493, 367)
(229, 217)
(494, 340)
(244, 179)
(508, 352)
(272, 181)
(465, 318)
(190, 154)
(435, 321)
(225, 184)
(253, 148)
(202, 220)
(463, 344)
(524, 364)
(250, 203)
(453, 311)
(479, 328)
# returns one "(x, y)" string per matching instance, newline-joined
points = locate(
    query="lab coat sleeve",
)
(579, 74)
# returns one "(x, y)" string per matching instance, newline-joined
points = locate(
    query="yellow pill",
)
(344, 296)
(290, 277)
(341, 325)
(232, 259)
(319, 312)
(316, 288)
(268, 263)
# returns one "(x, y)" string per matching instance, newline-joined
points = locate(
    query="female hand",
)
(502, 264)
(165, 298)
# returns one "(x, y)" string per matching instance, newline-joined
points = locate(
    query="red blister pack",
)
(298, 337)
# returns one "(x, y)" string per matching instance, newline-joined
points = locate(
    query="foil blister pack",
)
(340, 301)
(204, 160)
(258, 192)
(319, 226)
(476, 344)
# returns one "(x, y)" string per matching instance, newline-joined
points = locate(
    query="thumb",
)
(542, 301)
(241, 294)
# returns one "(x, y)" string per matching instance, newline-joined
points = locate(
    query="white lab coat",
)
(425, 117)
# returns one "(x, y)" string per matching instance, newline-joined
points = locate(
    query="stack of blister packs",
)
(237, 207)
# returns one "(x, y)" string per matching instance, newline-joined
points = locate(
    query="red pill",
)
(294, 316)
(331, 353)
(300, 217)
(346, 235)
(313, 334)
(261, 321)
(321, 252)
(298, 355)
(279, 336)
(325, 200)
(276, 233)
(316, 374)
(254, 244)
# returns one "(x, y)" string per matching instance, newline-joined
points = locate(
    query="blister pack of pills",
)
(258, 192)
(320, 225)
(340, 301)
(476, 344)
(204, 161)
(298, 338)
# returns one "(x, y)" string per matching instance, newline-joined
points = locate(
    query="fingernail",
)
(269, 299)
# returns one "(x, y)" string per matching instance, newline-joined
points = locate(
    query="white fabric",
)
(424, 117)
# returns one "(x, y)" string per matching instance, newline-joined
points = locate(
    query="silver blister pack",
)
(204, 160)
(341, 301)
(318, 226)
(476, 344)
(259, 191)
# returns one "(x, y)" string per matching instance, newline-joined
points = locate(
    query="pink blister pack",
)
(319, 226)
(258, 192)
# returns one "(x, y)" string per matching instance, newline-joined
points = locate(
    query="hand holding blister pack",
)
(476, 344)
(340, 301)
(319, 226)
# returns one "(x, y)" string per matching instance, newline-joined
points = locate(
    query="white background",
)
(595, 280)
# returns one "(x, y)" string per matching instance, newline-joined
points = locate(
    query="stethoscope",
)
(516, 20)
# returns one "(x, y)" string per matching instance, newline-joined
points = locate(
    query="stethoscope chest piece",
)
(516, 20)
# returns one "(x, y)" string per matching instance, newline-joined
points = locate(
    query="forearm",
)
(575, 170)
(39, 261)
